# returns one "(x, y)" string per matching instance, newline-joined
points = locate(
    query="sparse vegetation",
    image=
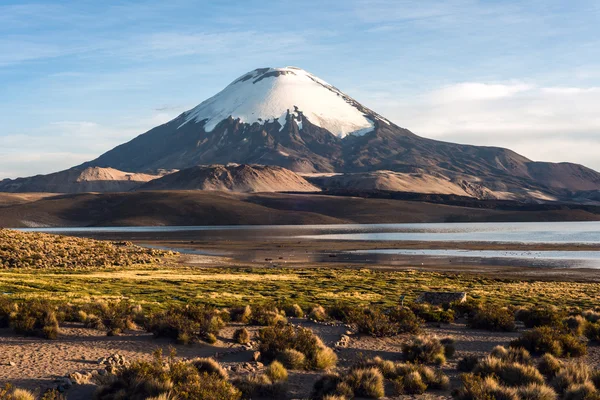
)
(187, 324)
(377, 322)
(492, 318)
(548, 340)
(35, 318)
(427, 350)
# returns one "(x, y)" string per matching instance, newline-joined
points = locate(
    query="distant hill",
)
(233, 178)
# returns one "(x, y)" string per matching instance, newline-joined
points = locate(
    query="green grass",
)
(233, 286)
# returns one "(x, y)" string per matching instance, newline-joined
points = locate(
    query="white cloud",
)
(542, 123)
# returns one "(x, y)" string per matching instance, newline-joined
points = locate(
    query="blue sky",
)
(80, 77)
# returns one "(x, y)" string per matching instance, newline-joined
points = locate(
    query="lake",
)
(506, 234)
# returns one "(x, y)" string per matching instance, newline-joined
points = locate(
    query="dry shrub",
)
(547, 340)
(116, 316)
(576, 324)
(477, 388)
(422, 349)
(509, 373)
(166, 378)
(430, 313)
(187, 324)
(318, 313)
(492, 318)
(467, 363)
(512, 354)
(260, 386)
(241, 336)
(572, 373)
(274, 340)
(581, 391)
(210, 366)
(277, 372)
(540, 316)
(35, 318)
(331, 385)
(366, 382)
(549, 365)
(592, 316)
(536, 392)
(267, 315)
(376, 322)
(411, 383)
(292, 359)
(294, 311)
(241, 314)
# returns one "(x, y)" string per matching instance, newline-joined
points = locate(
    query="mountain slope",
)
(78, 180)
(233, 178)
(287, 117)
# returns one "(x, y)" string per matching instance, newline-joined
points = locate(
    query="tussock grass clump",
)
(115, 317)
(318, 313)
(8, 392)
(376, 322)
(512, 354)
(166, 378)
(576, 324)
(241, 336)
(260, 386)
(366, 382)
(547, 340)
(592, 316)
(549, 365)
(540, 316)
(478, 388)
(592, 332)
(509, 373)
(241, 314)
(331, 386)
(267, 315)
(42, 250)
(274, 340)
(292, 359)
(467, 363)
(412, 383)
(581, 391)
(430, 313)
(187, 324)
(492, 318)
(210, 366)
(35, 318)
(422, 349)
(277, 372)
(572, 373)
(294, 311)
(536, 392)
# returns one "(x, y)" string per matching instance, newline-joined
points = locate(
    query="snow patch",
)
(272, 93)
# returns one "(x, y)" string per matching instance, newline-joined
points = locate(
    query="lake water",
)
(585, 233)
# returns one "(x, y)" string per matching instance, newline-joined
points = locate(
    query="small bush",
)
(571, 374)
(294, 311)
(512, 354)
(449, 347)
(549, 365)
(260, 385)
(318, 313)
(35, 318)
(187, 324)
(331, 386)
(576, 324)
(273, 341)
(241, 314)
(378, 323)
(547, 340)
(592, 332)
(292, 359)
(210, 366)
(477, 388)
(536, 392)
(277, 372)
(241, 336)
(581, 391)
(411, 383)
(366, 382)
(592, 316)
(467, 363)
(426, 350)
(116, 316)
(430, 313)
(509, 373)
(540, 316)
(492, 318)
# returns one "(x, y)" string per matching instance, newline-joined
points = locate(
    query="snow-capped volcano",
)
(269, 94)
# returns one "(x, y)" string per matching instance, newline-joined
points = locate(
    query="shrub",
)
(492, 318)
(277, 372)
(318, 314)
(187, 324)
(260, 385)
(426, 350)
(536, 392)
(241, 336)
(478, 388)
(581, 391)
(549, 365)
(331, 386)
(35, 318)
(571, 374)
(7, 307)
(469, 307)
(166, 379)
(540, 316)
(509, 373)
(375, 322)
(449, 347)
(210, 366)
(592, 332)
(547, 340)
(294, 311)
(366, 382)
(576, 324)
(241, 314)
(292, 359)
(267, 315)
(22, 394)
(467, 363)
(411, 383)
(512, 354)
(276, 339)
(116, 316)
(432, 314)
(592, 316)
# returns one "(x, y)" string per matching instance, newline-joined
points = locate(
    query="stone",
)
(256, 356)
(12, 364)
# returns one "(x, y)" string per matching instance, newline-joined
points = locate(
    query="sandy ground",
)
(38, 362)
